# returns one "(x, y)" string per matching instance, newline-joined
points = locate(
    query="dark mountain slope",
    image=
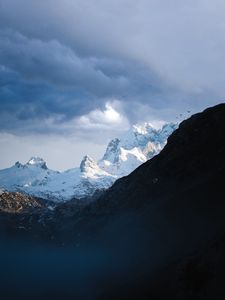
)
(176, 197)
(150, 222)
(194, 154)
(187, 177)
(176, 200)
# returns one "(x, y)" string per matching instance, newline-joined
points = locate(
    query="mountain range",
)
(122, 156)
(157, 233)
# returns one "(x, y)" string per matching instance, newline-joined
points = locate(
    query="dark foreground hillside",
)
(156, 234)
(179, 202)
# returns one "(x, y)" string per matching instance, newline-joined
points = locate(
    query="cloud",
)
(183, 42)
(56, 64)
(107, 119)
(45, 80)
(62, 61)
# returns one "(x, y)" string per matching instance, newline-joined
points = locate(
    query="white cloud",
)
(110, 118)
(87, 134)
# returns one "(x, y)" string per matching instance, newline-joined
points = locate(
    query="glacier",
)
(121, 157)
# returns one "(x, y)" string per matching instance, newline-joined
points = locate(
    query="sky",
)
(76, 73)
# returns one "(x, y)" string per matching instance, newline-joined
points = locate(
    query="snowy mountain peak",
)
(137, 145)
(111, 150)
(37, 161)
(168, 128)
(143, 128)
(18, 164)
(87, 163)
(122, 156)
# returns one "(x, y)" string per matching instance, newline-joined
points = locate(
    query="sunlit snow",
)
(122, 156)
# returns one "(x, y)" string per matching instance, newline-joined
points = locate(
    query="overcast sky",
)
(75, 73)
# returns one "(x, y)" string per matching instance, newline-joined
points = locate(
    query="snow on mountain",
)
(37, 161)
(122, 156)
(34, 178)
(90, 169)
(138, 145)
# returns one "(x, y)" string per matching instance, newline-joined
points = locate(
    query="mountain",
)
(122, 156)
(135, 147)
(157, 233)
(34, 178)
(168, 215)
(178, 195)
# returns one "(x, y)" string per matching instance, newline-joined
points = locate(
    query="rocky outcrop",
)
(15, 202)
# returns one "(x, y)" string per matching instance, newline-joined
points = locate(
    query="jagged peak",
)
(142, 128)
(86, 163)
(140, 143)
(111, 148)
(37, 161)
(18, 164)
(114, 142)
(169, 126)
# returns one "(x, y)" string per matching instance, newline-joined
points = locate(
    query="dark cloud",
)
(40, 79)
(76, 73)
(56, 64)
(60, 60)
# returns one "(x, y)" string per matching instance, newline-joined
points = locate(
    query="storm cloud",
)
(75, 67)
